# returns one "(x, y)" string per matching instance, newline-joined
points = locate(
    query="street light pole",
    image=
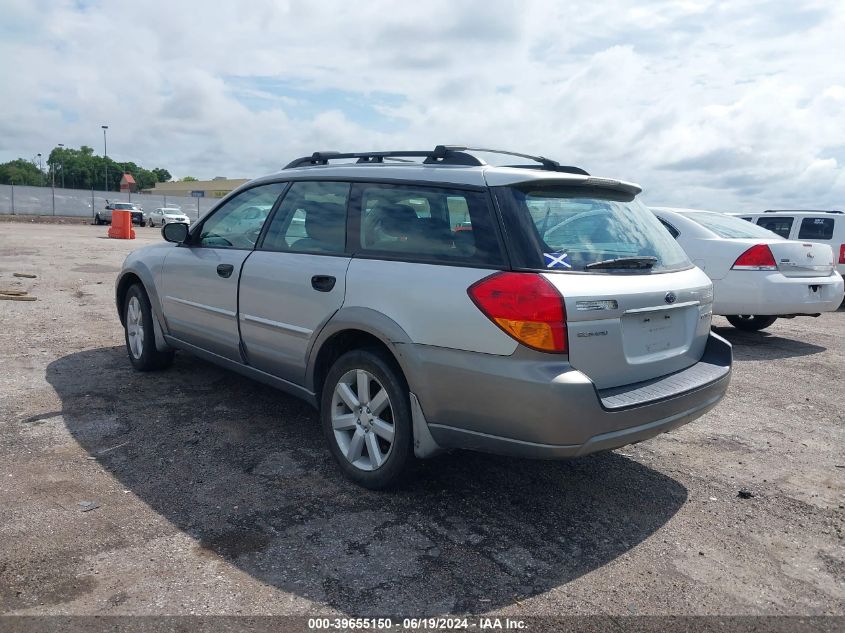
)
(62, 161)
(40, 170)
(105, 157)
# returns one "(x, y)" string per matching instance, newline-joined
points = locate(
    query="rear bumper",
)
(530, 407)
(760, 293)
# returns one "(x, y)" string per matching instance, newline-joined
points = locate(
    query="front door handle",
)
(323, 283)
(225, 270)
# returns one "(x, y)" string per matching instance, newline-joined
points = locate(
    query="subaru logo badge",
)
(670, 297)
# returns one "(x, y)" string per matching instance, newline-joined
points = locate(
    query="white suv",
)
(824, 227)
(534, 311)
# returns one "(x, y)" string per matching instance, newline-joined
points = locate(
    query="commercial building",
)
(215, 188)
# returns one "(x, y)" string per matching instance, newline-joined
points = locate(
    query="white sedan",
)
(166, 215)
(757, 275)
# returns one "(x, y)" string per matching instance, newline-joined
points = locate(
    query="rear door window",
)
(427, 224)
(816, 229)
(781, 225)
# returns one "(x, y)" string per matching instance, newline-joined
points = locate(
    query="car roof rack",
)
(441, 155)
(802, 211)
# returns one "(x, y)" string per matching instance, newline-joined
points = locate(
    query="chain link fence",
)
(79, 203)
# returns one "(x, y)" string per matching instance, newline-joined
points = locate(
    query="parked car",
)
(757, 275)
(163, 215)
(104, 216)
(355, 293)
(823, 227)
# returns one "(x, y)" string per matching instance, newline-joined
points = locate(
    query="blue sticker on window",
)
(557, 260)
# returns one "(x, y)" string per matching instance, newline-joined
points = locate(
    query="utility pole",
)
(62, 161)
(105, 158)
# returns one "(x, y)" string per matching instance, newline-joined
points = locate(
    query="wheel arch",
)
(356, 328)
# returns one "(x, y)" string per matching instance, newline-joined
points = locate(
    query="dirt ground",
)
(194, 490)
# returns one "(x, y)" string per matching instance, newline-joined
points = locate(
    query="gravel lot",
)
(212, 494)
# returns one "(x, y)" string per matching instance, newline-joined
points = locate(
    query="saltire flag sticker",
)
(557, 260)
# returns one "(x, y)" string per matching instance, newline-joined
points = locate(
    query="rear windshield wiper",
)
(634, 263)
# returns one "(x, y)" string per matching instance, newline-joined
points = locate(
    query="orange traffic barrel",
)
(121, 225)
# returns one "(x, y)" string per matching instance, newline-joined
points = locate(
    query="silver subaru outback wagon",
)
(534, 311)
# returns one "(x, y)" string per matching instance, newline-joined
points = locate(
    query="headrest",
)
(396, 220)
(325, 221)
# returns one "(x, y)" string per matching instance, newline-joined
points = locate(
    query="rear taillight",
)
(758, 257)
(526, 306)
(842, 253)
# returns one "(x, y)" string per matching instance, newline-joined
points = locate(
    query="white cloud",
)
(725, 105)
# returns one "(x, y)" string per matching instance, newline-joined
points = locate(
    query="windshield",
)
(728, 226)
(573, 229)
(124, 205)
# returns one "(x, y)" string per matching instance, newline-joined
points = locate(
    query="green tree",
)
(188, 179)
(20, 172)
(80, 169)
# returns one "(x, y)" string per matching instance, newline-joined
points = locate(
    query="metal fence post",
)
(198, 208)
(13, 199)
(53, 191)
(93, 213)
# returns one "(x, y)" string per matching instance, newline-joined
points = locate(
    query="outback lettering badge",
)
(589, 334)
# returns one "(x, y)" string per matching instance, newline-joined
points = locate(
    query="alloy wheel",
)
(362, 419)
(135, 327)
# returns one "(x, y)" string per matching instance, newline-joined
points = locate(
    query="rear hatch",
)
(636, 308)
(802, 259)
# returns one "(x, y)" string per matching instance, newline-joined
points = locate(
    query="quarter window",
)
(781, 226)
(816, 229)
(311, 219)
(237, 224)
(428, 224)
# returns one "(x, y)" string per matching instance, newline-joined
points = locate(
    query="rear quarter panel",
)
(429, 302)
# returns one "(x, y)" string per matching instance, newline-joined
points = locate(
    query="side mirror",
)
(175, 232)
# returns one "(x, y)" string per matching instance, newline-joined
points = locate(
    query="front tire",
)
(750, 323)
(152, 226)
(98, 220)
(139, 333)
(366, 417)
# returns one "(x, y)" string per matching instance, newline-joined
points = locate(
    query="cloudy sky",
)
(732, 106)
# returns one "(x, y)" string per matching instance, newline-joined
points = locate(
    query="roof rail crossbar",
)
(802, 211)
(441, 155)
(547, 163)
(323, 158)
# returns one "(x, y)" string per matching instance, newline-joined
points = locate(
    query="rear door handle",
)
(225, 270)
(323, 283)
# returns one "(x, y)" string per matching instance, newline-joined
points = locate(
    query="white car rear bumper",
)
(770, 293)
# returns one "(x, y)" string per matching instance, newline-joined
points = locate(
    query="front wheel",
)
(139, 333)
(152, 226)
(98, 220)
(750, 323)
(366, 417)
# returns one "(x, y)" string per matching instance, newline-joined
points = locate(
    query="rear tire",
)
(365, 412)
(139, 333)
(750, 323)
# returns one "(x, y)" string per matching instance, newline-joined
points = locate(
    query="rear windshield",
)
(579, 229)
(728, 226)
